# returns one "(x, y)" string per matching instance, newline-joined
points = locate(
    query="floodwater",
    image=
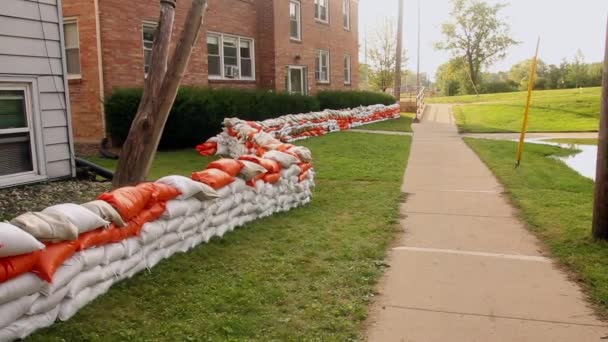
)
(583, 162)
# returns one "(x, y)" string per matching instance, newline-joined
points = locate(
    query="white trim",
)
(72, 21)
(318, 54)
(317, 5)
(304, 76)
(298, 18)
(29, 87)
(150, 25)
(346, 14)
(350, 69)
(238, 38)
(66, 94)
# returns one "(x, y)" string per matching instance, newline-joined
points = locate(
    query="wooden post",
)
(600, 210)
(160, 91)
(397, 87)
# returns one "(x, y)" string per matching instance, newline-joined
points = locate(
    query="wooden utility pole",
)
(418, 59)
(160, 90)
(600, 210)
(397, 88)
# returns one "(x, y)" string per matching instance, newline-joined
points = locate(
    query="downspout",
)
(100, 66)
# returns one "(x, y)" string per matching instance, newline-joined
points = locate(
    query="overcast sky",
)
(564, 27)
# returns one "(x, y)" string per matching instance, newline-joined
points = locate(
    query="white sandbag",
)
(208, 234)
(104, 210)
(219, 220)
(176, 208)
(112, 271)
(14, 241)
(206, 204)
(26, 325)
(131, 262)
(249, 208)
(113, 252)
(43, 304)
(212, 210)
(222, 229)
(171, 250)
(190, 223)
(23, 285)
(189, 188)
(150, 248)
(174, 224)
(194, 206)
(65, 273)
(13, 310)
(249, 195)
(224, 205)
(48, 227)
(69, 307)
(205, 223)
(168, 240)
(152, 231)
(142, 265)
(85, 279)
(250, 170)
(224, 192)
(302, 152)
(155, 257)
(238, 198)
(188, 234)
(291, 171)
(132, 246)
(91, 257)
(286, 160)
(186, 245)
(84, 219)
(235, 212)
(238, 186)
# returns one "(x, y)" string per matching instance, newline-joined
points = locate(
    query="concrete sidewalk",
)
(466, 268)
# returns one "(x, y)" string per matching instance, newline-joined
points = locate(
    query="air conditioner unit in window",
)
(231, 71)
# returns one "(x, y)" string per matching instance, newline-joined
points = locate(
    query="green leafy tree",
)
(477, 35)
(520, 74)
(577, 71)
(383, 56)
(452, 79)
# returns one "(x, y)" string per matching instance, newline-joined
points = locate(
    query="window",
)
(347, 69)
(346, 13)
(149, 31)
(322, 10)
(16, 133)
(230, 57)
(295, 80)
(322, 66)
(295, 25)
(72, 47)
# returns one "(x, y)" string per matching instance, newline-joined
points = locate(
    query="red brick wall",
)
(85, 93)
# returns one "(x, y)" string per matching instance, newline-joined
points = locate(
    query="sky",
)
(563, 25)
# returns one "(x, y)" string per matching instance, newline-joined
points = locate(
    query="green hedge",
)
(198, 113)
(335, 99)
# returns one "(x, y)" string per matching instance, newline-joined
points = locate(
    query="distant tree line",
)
(452, 77)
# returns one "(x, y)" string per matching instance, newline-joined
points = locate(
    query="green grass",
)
(570, 110)
(557, 203)
(299, 276)
(403, 124)
(570, 141)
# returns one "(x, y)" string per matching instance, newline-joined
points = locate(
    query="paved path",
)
(356, 130)
(546, 135)
(466, 269)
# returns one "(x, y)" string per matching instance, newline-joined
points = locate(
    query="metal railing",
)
(420, 104)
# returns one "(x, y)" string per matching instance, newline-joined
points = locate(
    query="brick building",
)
(299, 46)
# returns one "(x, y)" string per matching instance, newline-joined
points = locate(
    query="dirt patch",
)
(18, 200)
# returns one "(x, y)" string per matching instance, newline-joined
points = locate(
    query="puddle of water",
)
(583, 162)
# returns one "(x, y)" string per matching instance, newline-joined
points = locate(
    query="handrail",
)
(420, 104)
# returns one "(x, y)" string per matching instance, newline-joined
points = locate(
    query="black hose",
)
(103, 149)
(101, 171)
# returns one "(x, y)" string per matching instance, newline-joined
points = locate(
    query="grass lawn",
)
(303, 275)
(570, 110)
(403, 124)
(580, 141)
(556, 202)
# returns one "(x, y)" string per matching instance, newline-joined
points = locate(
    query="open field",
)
(403, 124)
(303, 275)
(574, 141)
(556, 202)
(569, 110)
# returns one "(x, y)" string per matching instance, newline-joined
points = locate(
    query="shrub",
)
(198, 113)
(335, 99)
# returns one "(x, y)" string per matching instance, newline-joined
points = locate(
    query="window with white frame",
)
(322, 66)
(72, 47)
(17, 146)
(149, 30)
(346, 13)
(230, 57)
(322, 10)
(295, 23)
(347, 69)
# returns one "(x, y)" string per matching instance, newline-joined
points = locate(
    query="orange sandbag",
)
(97, 237)
(14, 266)
(129, 201)
(52, 257)
(207, 149)
(260, 151)
(161, 192)
(230, 166)
(151, 214)
(271, 165)
(305, 167)
(251, 158)
(272, 177)
(133, 229)
(303, 176)
(284, 147)
(215, 178)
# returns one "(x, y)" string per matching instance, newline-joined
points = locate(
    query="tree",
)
(577, 71)
(160, 90)
(452, 78)
(477, 35)
(520, 73)
(383, 55)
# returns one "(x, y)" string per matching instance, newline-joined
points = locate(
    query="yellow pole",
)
(522, 137)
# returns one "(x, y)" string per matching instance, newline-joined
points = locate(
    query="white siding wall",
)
(31, 47)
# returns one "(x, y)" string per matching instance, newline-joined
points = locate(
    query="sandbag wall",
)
(241, 137)
(55, 262)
